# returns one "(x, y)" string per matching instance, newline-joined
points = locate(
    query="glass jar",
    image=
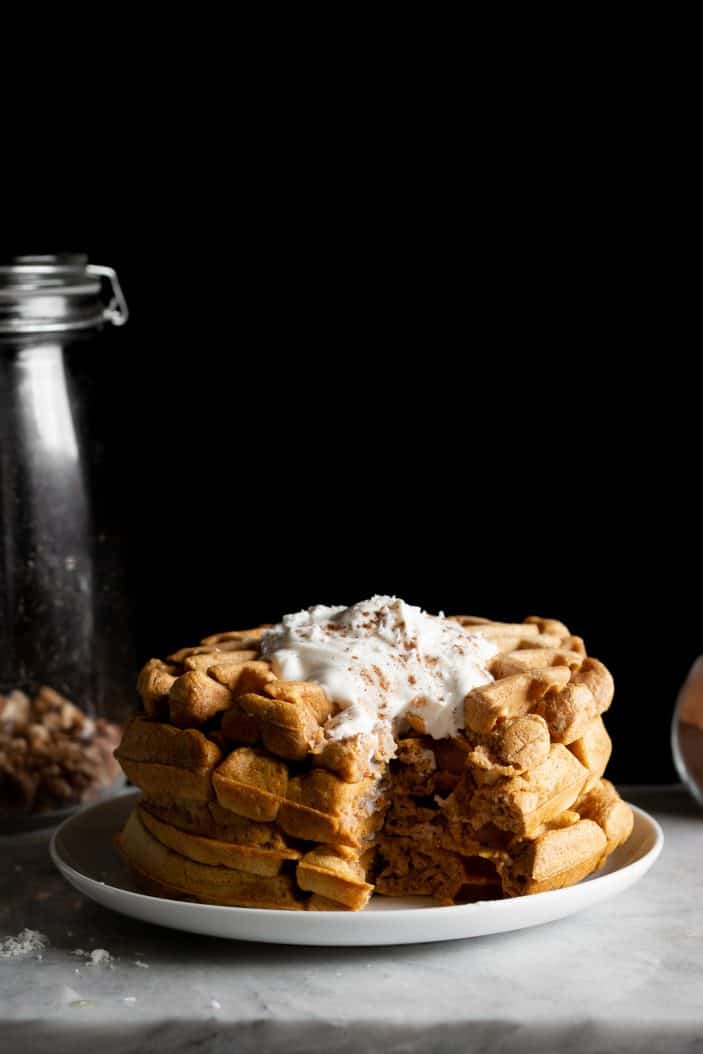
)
(687, 731)
(66, 649)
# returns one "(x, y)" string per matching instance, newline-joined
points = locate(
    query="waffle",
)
(521, 804)
(603, 804)
(247, 800)
(555, 858)
(319, 807)
(167, 763)
(183, 878)
(337, 874)
(250, 847)
(251, 783)
(593, 750)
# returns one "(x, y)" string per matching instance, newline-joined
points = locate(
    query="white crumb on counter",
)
(27, 942)
(98, 957)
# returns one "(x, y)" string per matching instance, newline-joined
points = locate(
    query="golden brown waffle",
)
(183, 877)
(593, 750)
(253, 848)
(319, 807)
(521, 804)
(168, 764)
(251, 784)
(603, 805)
(555, 858)
(336, 873)
(247, 802)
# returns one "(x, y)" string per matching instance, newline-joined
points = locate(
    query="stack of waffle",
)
(246, 801)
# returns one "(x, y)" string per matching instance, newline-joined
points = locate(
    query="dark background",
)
(496, 415)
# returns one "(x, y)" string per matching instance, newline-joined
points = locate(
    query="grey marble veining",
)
(624, 976)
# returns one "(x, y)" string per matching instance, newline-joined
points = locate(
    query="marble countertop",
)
(624, 976)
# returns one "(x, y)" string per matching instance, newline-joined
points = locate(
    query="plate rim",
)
(647, 860)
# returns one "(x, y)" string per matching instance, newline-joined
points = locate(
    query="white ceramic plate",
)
(82, 850)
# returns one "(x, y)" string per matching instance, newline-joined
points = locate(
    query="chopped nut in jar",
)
(52, 754)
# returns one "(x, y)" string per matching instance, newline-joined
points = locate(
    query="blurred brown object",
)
(52, 754)
(690, 703)
(687, 731)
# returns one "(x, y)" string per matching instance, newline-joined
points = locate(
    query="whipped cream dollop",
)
(380, 660)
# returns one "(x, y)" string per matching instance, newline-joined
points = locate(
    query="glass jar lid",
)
(58, 292)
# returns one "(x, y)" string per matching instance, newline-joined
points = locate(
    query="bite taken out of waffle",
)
(343, 752)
